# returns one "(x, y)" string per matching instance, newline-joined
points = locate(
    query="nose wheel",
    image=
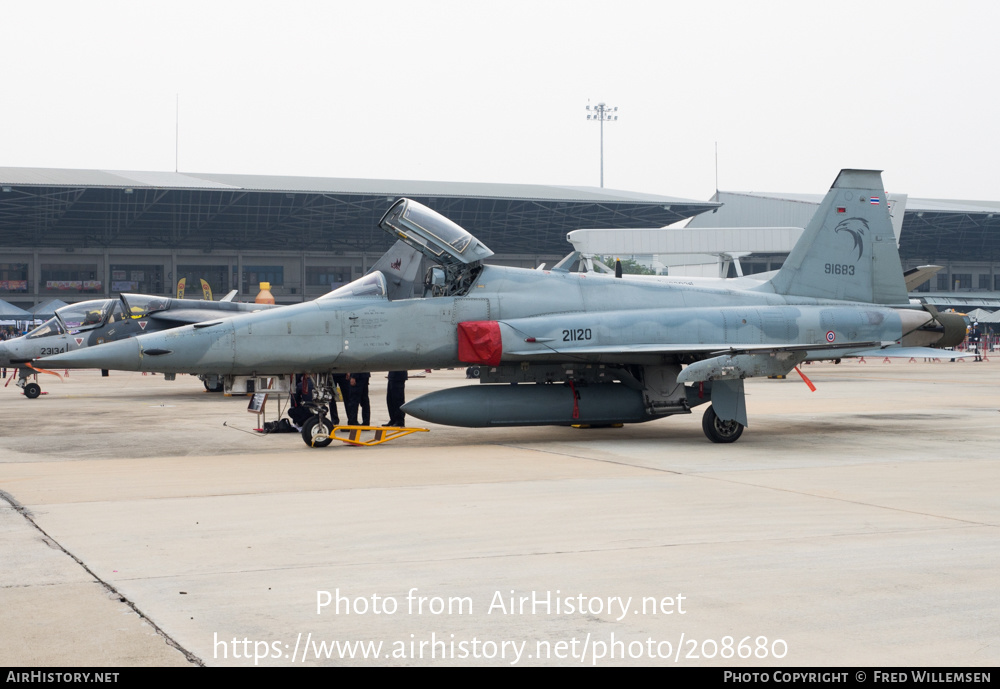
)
(32, 390)
(317, 431)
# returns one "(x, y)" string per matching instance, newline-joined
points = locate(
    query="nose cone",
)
(124, 355)
(204, 348)
(17, 351)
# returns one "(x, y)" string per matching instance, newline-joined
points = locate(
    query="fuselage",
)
(544, 315)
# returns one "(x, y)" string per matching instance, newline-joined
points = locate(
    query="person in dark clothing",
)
(395, 398)
(340, 381)
(359, 399)
(975, 340)
(301, 393)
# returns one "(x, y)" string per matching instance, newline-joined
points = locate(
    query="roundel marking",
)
(830, 336)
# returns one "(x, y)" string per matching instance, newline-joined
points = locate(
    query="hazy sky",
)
(496, 91)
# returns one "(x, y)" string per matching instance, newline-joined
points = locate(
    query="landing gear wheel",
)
(218, 387)
(316, 431)
(32, 390)
(719, 431)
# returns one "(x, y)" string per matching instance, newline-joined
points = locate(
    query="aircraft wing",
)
(913, 353)
(835, 350)
(709, 349)
(717, 362)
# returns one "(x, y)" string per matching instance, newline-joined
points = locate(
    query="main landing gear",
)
(212, 382)
(719, 431)
(217, 387)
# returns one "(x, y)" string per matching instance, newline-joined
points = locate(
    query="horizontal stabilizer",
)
(917, 276)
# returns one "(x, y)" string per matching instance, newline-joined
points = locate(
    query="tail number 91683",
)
(839, 269)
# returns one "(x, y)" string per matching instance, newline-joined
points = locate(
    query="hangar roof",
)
(43, 207)
(328, 185)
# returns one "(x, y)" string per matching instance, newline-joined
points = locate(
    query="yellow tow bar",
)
(382, 434)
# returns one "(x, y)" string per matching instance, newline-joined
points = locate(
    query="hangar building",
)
(83, 234)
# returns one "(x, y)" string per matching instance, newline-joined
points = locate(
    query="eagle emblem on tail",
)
(857, 228)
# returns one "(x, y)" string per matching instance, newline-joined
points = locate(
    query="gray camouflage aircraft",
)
(95, 322)
(566, 348)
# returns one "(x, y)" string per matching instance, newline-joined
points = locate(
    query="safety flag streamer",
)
(807, 381)
(43, 370)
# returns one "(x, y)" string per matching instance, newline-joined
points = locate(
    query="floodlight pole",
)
(601, 113)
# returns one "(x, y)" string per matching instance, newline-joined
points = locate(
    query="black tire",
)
(719, 431)
(316, 431)
(218, 387)
(32, 390)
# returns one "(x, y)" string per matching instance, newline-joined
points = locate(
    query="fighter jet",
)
(98, 321)
(557, 347)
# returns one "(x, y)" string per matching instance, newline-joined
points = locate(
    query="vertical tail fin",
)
(848, 250)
